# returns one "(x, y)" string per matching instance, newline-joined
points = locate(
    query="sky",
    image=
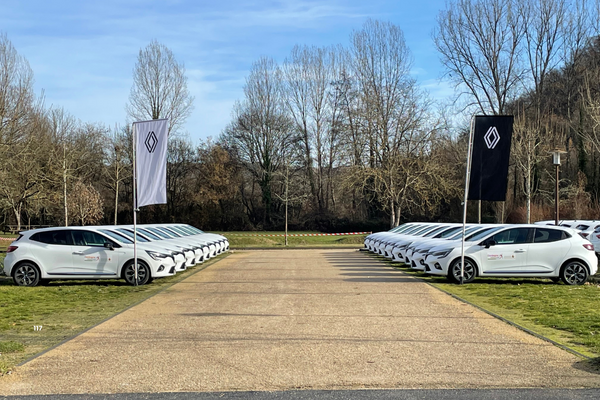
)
(82, 52)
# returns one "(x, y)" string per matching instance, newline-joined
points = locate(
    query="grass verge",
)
(242, 240)
(569, 315)
(35, 319)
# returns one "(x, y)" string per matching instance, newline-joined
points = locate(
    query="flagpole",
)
(467, 179)
(135, 263)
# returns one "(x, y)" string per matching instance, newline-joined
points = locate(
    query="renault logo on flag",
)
(151, 142)
(492, 137)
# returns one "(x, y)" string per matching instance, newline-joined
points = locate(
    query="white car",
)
(402, 249)
(390, 241)
(199, 248)
(518, 250)
(371, 239)
(417, 251)
(587, 228)
(176, 232)
(119, 234)
(81, 253)
(188, 253)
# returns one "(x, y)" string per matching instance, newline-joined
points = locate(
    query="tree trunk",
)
(65, 194)
(17, 212)
(116, 198)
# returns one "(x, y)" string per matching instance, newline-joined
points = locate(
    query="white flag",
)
(151, 161)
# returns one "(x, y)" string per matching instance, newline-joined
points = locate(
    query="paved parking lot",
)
(298, 319)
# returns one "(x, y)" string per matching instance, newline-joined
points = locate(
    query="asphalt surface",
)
(327, 322)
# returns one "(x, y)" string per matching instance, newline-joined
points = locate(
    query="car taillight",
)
(589, 246)
(585, 235)
(10, 249)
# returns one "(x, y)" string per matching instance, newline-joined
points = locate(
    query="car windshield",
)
(435, 231)
(582, 227)
(118, 237)
(402, 228)
(427, 230)
(169, 230)
(448, 232)
(160, 233)
(468, 230)
(483, 233)
(180, 230)
(129, 234)
(420, 230)
(412, 229)
(150, 234)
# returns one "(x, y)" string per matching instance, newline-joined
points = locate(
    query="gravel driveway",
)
(298, 319)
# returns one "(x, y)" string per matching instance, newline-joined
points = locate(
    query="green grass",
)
(569, 315)
(63, 309)
(240, 240)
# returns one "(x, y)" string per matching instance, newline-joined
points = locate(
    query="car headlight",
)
(441, 253)
(156, 255)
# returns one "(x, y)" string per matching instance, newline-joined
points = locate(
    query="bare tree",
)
(394, 114)
(17, 99)
(261, 133)
(85, 203)
(21, 136)
(479, 43)
(309, 73)
(117, 162)
(22, 173)
(181, 160)
(76, 152)
(159, 87)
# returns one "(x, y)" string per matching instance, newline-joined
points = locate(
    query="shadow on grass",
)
(591, 365)
(6, 281)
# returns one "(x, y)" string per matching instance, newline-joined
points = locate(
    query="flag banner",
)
(489, 163)
(151, 161)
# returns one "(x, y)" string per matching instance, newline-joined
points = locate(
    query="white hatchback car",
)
(81, 253)
(518, 251)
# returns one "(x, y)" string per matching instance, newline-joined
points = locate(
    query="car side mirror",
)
(109, 246)
(489, 243)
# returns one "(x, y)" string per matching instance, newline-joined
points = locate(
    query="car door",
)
(547, 251)
(53, 251)
(508, 255)
(91, 257)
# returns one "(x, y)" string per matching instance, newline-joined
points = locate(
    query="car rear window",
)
(544, 235)
(60, 237)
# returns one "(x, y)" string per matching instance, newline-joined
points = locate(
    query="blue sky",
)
(83, 52)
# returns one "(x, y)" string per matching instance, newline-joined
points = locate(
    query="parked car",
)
(587, 228)
(82, 253)
(557, 253)
(373, 238)
(417, 251)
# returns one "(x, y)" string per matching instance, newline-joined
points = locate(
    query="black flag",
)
(489, 163)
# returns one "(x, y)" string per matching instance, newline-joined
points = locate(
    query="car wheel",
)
(574, 273)
(27, 274)
(469, 273)
(129, 273)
